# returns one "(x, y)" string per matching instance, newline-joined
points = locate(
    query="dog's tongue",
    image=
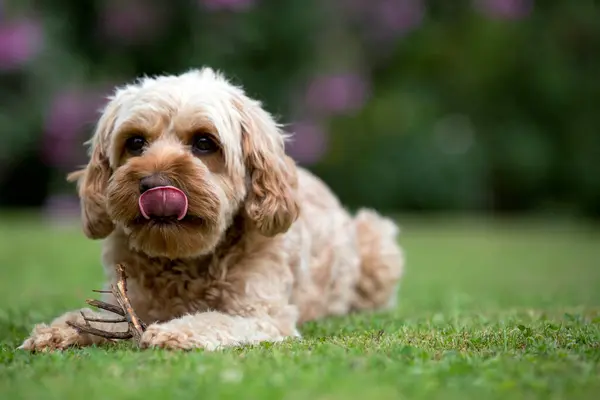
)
(163, 201)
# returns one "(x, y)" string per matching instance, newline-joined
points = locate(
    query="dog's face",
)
(175, 158)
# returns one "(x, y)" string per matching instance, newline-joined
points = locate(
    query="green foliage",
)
(437, 105)
(525, 91)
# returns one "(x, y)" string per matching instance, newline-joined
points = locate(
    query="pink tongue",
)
(163, 201)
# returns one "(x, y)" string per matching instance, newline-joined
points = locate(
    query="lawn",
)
(506, 309)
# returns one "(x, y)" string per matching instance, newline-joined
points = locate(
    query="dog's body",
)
(259, 245)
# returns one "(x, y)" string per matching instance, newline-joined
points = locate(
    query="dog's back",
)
(355, 261)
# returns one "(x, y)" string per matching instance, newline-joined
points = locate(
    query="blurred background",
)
(409, 106)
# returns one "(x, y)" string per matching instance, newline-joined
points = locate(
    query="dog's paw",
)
(48, 338)
(165, 336)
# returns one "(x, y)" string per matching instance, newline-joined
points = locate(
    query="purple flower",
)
(308, 143)
(385, 20)
(504, 9)
(71, 113)
(397, 17)
(337, 93)
(228, 5)
(61, 210)
(131, 21)
(20, 42)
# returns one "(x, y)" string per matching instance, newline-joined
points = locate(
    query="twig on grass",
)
(136, 326)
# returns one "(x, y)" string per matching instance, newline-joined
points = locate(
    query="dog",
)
(225, 240)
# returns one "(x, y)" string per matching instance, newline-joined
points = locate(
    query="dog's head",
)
(175, 158)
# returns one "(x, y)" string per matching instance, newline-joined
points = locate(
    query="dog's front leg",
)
(58, 335)
(216, 330)
(250, 305)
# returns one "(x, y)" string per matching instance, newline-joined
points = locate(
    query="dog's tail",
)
(382, 261)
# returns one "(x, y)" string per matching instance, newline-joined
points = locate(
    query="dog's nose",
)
(152, 181)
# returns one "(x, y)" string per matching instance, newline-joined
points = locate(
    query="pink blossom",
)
(308, 143)
(398, 17)
(385, 20)
(337, 93)
(61, 210)
(230, 5)
(505, 9)
(131, 21)
(20, 42)
(71, 113)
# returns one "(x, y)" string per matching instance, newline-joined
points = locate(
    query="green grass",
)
(487, 310)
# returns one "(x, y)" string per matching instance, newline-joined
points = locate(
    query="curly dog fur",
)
(263, 246)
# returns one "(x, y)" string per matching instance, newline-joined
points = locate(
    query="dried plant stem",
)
(124, 310)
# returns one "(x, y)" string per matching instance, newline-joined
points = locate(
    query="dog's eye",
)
(135, 145)
(203, 144)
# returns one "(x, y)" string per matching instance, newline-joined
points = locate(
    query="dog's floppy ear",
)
(93, 179)
(271, 203)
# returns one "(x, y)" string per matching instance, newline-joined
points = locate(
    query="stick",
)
(107, 320)
(106, 306)
(100, 332)
(136, 326)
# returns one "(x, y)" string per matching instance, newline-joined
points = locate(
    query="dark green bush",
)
(397, 104)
